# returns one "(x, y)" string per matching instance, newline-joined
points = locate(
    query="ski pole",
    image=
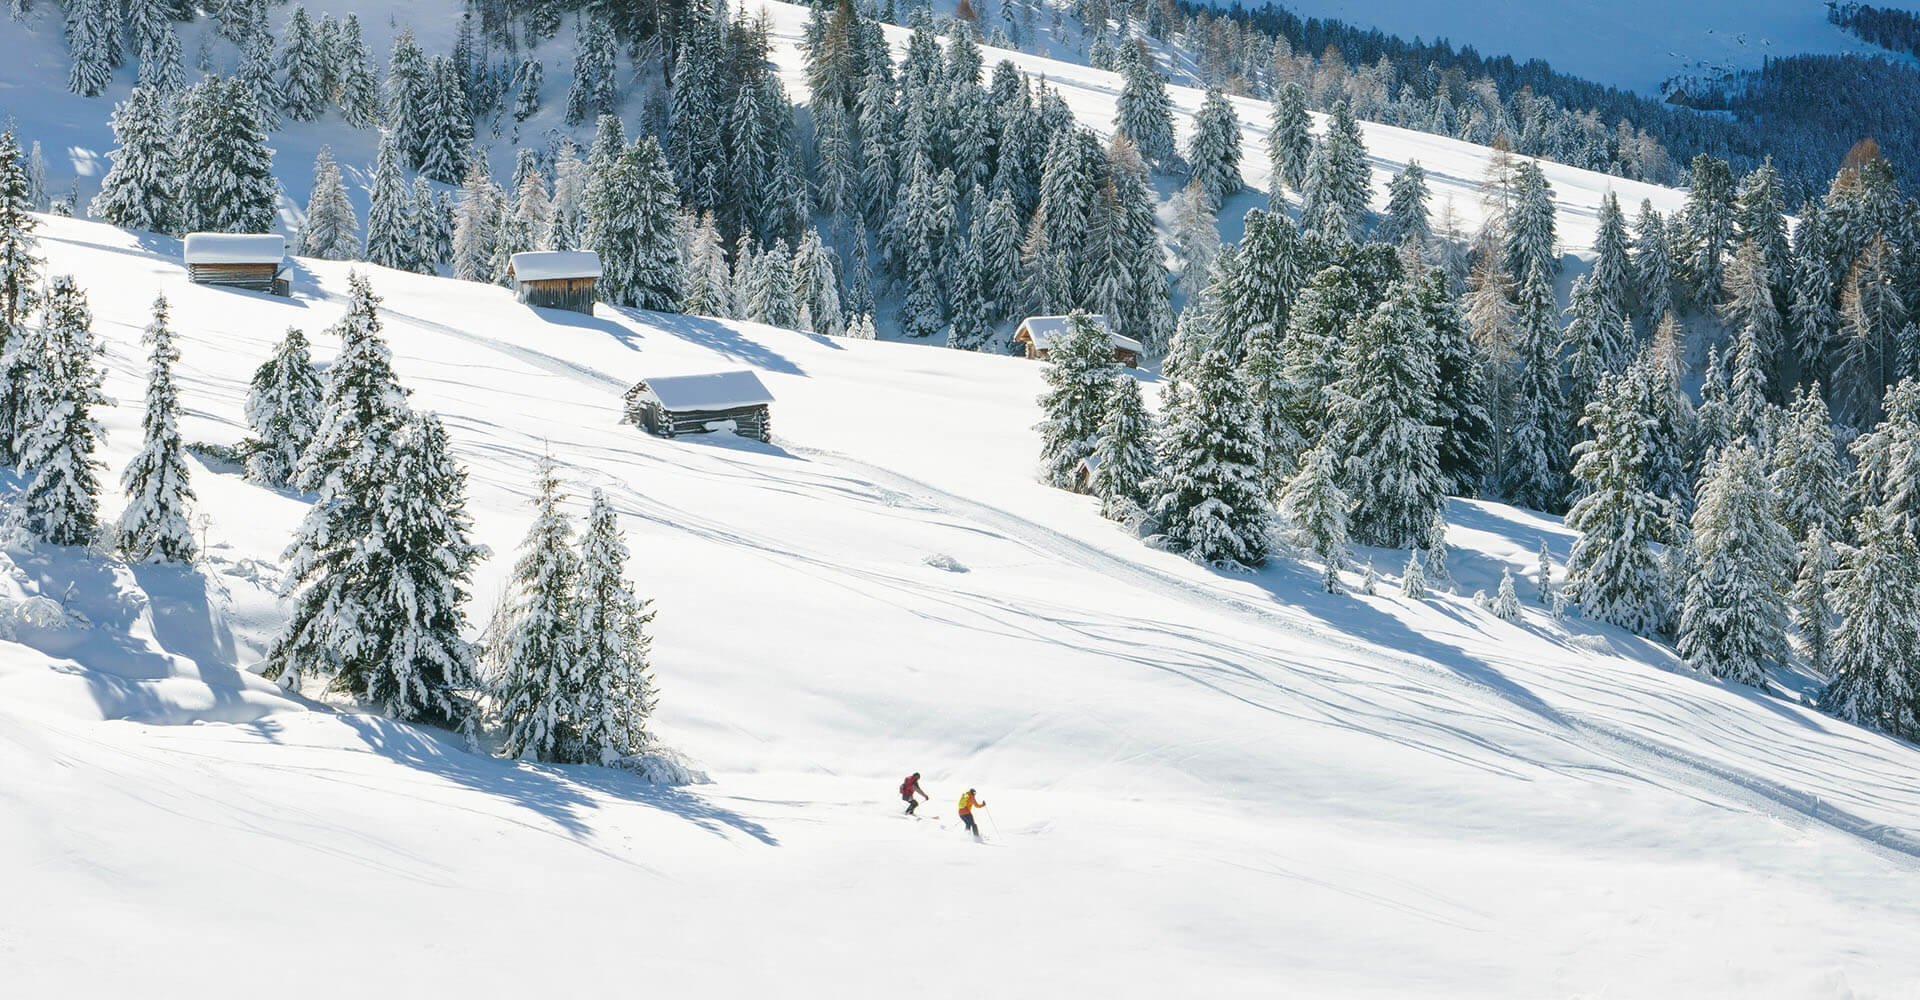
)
(990, 821)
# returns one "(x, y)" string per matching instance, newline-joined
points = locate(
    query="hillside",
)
(1204, 783)
(1639, 45)
(75, 133)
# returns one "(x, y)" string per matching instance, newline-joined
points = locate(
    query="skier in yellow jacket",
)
(967, 805)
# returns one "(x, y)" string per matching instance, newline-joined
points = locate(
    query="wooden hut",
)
(556, 279)
(254, 261)
(696, 404)
(1040, 334)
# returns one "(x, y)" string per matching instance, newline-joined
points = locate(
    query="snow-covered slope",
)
(1199, 784)
(1637, 45)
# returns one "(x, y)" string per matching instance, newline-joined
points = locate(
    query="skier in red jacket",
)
(910, 788)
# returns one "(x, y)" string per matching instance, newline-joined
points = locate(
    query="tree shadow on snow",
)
(712, 334)
(564, 794)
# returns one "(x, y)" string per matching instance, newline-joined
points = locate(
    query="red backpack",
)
(907, 786)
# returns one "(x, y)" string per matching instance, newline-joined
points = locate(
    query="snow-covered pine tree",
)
(1382, 410)
(1530, 242)
(1311, 350)
(154, 526)
(1811, 600)
(1812, 320)
(1490, 319)
(1707, 227)
(1413, 580)
(1213, 153)
(357, 92)
(1614, 572)
(1335, 198)
(147, 21)
(1806, 468)
(1460, 391)
(610, 648)
(302, 70)
(331, 230)
(1652, 265)
(1747, 392)
(1749, 310)
(1549, 593)
(446, 133)
(476, 225)
(1876, 593)
(1733, 619)
(256, 70)
(409, 96)
(140, 187)
(1435, 547)
(1760, 218)
(770, 297)
(1130, 282)
(1315, 505)
(526, 87)
(816, 283)
(1369, 580)
(19, 287)
(1506, 603)
(592, 91)
(389, 242)
(416, 665)
(362, 403)
(1124, 454)
(1289, 140)
(1406, 217)
(1611, 281)
(1144, 113)
(1263, 370)
(226, 170)
(1079, 378)
(1211, 501)
(708, 283)
(283, 409)
(532, 207)
(539, 689)
(430, 221)
(971, 323)
(922, 231)
(1196, 238)
(634, 226)
(1537, 439)
(61, 501)
(91, 40)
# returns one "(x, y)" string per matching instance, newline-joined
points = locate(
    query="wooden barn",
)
(697, 404)
(556, 279)
(254, 261)
(1039, 334)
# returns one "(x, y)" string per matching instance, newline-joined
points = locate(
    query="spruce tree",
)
(1537, 441)
(1312, 348)
(1213, 153)
(446, 134)
(20, 266)
(1124, 453)
(140, 187)
(476, 225)
(226, 170)
(1144, 113)
(389, 242)
(409, 96)
(1530, 243)
(91, 42)
(1315, 505)
(1733, 619)
(610, 648)
(1614, 572)
(1506, 603)
(1289, 140)
(418, 578)
(634, 227)
(1079, 378)
(356, 91)
(539, 689)
(430, 226)
(61, 502)
(817, 285)
(1211, 501)
(302, 85)
(1807, 469)
(1653, 265)
(1612, 280)
(707, 277)
(1811, 599)
(1263, 370)
(1413, 580)
(154, 526)
(283, 409)
(1707, 226)
(1461, 404)
(1382, 409)
(331, 230)
(1406, 218)
(1874, 650)
(1335, 198)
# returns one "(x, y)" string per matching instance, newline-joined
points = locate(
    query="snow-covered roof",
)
(1047, 332)
(554, 265)
(234, 248)
(713, 391)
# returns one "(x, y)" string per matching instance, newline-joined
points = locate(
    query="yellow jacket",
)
(967, 803)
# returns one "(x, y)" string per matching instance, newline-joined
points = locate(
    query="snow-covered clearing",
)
(1199, 785)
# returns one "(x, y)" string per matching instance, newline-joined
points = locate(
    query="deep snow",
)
(1199, 784)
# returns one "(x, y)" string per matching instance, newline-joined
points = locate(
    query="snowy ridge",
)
(1203, 783)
